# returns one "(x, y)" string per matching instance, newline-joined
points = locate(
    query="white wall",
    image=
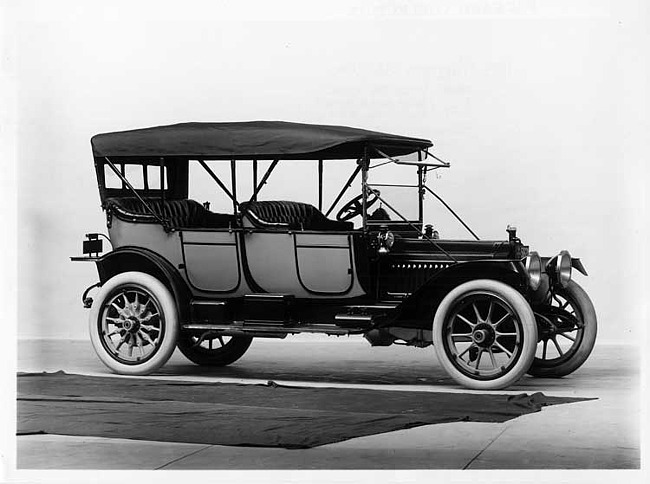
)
(540, 106)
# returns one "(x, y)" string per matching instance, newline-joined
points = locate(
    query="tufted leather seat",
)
(292, 215)
(179, 213)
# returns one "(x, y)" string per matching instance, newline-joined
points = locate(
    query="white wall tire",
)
(133, 324)
(485, 335)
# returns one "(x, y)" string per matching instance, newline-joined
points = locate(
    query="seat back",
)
(183, 213)
(289, 215)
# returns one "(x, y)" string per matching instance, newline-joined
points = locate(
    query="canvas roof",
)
(252, 140)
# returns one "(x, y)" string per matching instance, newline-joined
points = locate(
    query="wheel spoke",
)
(147, 338)
(567, 337)
(148, 327)
(131, 345)
(112, 333)
(146, 304)
(478, 315)
(138, 339)
(498, 334)
(466, 337)
(500, 346)
(221, 341)
(544, 349)
(465, 351)
(478, 358)
(492, 359)
(115, 320)
(462, 339)
(501, 320)
(465, 320)
(122, 341)
(142, 308)
(148, 317)
(489, 315)
(559, 350)
(120, 310)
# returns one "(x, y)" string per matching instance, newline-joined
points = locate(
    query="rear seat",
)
(179, 213)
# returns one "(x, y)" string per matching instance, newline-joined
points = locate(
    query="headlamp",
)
(534, 270)
(559, 268)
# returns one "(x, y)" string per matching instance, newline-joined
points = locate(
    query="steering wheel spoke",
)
(354, 207)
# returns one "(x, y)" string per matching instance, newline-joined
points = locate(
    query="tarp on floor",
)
(244, 415)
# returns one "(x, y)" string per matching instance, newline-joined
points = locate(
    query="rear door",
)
(212, 260)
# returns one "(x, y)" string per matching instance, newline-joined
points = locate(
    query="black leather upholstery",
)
(293, 215)
(179, 213)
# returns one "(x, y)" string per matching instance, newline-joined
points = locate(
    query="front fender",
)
(129, 258)
(577, 265)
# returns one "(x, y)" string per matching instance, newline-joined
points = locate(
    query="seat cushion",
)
(292, 215)
(184, 213)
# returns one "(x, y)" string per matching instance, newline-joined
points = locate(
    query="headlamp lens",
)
(563, 268)
(534, 270)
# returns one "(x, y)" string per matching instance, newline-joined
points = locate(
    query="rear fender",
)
(126, 259)
(418, 309)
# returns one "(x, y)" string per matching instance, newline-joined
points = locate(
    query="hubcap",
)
(132, 325)
(483, 335)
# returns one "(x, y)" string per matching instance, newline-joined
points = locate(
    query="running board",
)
(239, 328)
(254, 309)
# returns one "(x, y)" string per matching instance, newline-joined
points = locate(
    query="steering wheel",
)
(355, 206)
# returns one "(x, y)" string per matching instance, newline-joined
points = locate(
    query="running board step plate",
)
(207, 310)
(267, 309)
(363, 316)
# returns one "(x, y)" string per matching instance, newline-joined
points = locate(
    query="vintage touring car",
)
(181, 275)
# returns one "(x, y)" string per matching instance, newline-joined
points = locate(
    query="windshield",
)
(398, 187)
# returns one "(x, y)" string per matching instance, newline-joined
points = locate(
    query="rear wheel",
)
(133, 324)
(567, 330)
(485, 334)
(213, 349)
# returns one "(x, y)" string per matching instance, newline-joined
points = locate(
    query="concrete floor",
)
(598, 434)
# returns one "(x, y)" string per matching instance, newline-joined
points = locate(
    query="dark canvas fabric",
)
(251, 140)
(244, 415)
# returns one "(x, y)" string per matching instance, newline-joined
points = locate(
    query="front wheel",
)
(133, 324)
(567, 332)
(485, 334)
